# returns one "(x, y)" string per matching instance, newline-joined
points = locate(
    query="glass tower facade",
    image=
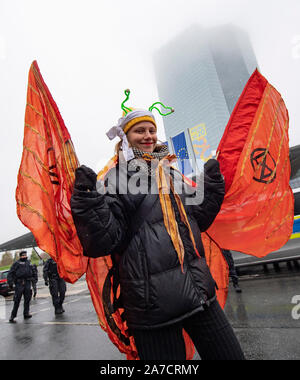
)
(201, 73)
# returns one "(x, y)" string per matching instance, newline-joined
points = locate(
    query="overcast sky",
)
(89, 51)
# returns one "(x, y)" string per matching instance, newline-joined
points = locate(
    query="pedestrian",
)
(57, 285)
(34, 279)
(232, 270)
(20, 275)
(165, 283)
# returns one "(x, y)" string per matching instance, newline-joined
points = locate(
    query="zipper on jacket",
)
(146, 276)
(202, 298)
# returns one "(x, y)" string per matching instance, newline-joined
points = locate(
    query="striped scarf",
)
(165, 186)
(147, 162)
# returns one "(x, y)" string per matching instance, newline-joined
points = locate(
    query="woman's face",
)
(143, 136)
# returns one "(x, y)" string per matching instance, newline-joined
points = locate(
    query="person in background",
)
(57, 285)
(34, 279)
(20, 275)
(232, 271)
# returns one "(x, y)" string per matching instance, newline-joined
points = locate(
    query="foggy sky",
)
(90, 51)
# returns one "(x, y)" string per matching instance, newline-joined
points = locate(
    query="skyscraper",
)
(201, 73)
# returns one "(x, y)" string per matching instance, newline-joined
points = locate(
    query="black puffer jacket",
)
(155, 291)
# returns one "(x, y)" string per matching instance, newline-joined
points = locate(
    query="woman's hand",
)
(85, 179)
(212, 169)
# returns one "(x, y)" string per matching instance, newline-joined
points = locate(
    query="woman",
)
(166, 285)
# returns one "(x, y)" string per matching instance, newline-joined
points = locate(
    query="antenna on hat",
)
(126, 110)
(165, 107)
(123, 107)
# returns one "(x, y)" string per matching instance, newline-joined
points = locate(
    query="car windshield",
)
(3, 275)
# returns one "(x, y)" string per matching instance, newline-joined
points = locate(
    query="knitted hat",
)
(130, 118)
(136, 116)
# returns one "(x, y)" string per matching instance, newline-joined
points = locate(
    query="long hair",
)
(118, 147)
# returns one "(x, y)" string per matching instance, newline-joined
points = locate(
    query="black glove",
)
(46, 283)
(85, 179)
(212, 169)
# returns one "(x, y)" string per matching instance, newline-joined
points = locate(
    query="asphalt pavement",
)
(265, 317)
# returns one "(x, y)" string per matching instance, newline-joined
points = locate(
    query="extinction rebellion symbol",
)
(264, 165)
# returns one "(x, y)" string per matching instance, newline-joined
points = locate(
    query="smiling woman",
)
(158, 278)
(143, 136)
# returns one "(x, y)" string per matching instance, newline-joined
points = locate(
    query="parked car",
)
(4, 288)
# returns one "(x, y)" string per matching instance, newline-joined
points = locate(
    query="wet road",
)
(264, 318)
(73, 335)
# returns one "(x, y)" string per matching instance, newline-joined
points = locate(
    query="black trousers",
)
(230, 262)
(57, 287)
(210, 331)
(33, 284)
(22, 288)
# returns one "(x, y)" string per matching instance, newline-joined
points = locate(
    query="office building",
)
(201, 73)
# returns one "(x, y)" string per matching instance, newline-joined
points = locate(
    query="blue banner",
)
(296, 226)
(180, 149)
